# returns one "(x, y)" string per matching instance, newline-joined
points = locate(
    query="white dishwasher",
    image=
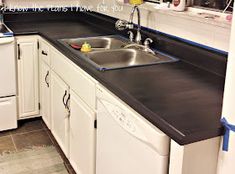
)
(126, 142)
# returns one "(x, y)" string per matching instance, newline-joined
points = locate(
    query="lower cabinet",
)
(82, 136)
(45, 92)
(27, 70)
(67, 108)
(59, 112)
(73, 126)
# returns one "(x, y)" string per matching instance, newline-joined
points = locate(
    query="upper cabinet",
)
(28, 90)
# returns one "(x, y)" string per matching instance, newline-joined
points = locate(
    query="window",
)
(215, 4)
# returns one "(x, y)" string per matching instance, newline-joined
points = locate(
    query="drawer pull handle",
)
(46, 79)
(67, 104)
(65, 93)
(67, 107)
(44, 53)
(19, 54)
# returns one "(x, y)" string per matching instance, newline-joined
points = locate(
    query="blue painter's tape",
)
(228, 127)
(8, 34)
(188, 41)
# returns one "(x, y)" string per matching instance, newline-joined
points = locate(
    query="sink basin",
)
(108, 53)
(123, 58)
(97, 43)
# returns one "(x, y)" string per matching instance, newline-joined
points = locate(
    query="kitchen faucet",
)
(123, 24)
(138, 34)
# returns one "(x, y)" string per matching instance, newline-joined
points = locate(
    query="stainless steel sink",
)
(123, 58)
(108, 53)
(98, 43)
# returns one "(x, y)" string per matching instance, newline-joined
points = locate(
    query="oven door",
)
(7, 67)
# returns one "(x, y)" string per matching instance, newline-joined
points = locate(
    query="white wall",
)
(227, 159)
(213, 35)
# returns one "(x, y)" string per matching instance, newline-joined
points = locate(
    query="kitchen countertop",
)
(182, 100)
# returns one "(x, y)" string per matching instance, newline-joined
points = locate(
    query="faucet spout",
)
(138, 35)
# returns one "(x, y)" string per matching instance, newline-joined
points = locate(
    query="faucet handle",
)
(131, 36)
(121, 24)
(147, 42)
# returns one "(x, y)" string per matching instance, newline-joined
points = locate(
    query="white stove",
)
(8, 111)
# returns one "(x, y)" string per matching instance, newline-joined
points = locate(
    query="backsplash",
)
(186, 28)
(206, 58)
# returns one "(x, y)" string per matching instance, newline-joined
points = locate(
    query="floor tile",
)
(6, 145)
(31, 133)
(5, 133)
(44, 125)
(59, 150)
(28, 126)
(31, 139)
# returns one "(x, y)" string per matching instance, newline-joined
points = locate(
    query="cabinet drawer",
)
(8, 118)
(78, 80)
(44, 52)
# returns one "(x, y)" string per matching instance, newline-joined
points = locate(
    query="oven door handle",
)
(6, 40)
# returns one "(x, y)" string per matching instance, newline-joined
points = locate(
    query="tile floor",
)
(31, 132)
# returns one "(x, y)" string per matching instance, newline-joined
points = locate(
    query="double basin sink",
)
(108, 53)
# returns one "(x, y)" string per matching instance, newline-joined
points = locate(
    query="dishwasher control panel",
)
(126, 120)
(120, 116)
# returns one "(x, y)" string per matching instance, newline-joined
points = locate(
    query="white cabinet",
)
(199, 157)
(28, 93)
(82, 136)
(59, 113)
(8, 113)
(45, 93)
(70, 114)
(78, 80)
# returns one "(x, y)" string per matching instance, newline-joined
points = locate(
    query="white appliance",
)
(8, 116)
(126, 142)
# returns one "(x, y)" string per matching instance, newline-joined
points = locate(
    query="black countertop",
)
(182, 100)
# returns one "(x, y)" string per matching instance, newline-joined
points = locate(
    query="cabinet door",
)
(45, 93)
(28, 77)
(59, 114)
(82, 136)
